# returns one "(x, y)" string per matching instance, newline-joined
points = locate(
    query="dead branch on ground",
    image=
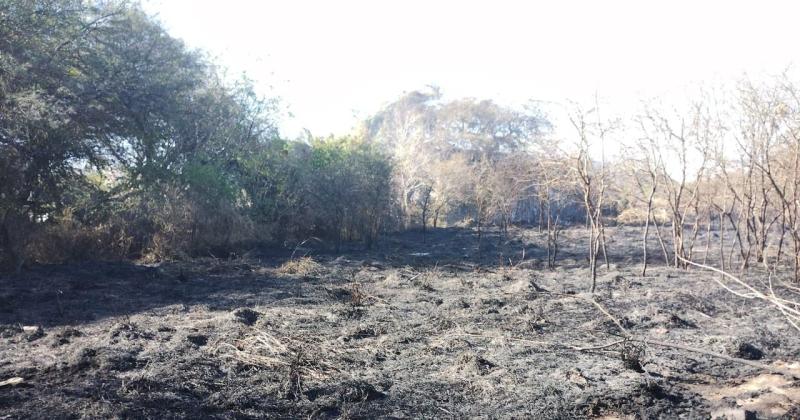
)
(788, 308)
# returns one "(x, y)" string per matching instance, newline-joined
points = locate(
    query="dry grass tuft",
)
(426, 278)
(301, 359)
(304, 266)
(358, 297)
(632, 354)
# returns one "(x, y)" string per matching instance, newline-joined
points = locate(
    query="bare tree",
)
(553, 192)
(646, 171)
(690, 138)
(406, 129)
(591, 178)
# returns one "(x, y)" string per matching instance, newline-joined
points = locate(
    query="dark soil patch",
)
(197, 339)
(748, 351)
(247, 316)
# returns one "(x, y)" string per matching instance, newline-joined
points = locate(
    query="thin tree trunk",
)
(708, 240)
(647, 230)
(660, 239)
(722, 241)
(603, 245)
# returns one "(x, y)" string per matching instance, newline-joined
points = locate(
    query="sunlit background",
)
(335, 62)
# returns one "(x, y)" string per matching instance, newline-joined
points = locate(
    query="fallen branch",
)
(539, 343)
(12, 382)
(626, 334)
(601, 347)
(791, 313)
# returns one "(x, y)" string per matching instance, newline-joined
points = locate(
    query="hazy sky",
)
(333, 62)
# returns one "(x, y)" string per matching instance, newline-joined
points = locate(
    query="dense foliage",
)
(118, 141)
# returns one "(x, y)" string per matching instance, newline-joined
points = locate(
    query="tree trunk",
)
(708, 240)
(644, 242)
(7, 243)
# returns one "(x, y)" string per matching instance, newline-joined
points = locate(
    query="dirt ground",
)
(421, 327)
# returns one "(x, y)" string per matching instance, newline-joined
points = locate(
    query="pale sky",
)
(335, 62)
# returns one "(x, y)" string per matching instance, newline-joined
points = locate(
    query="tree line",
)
(721, 166)
(118, 141)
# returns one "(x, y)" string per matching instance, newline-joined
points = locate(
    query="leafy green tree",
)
(99, 86)
(51, 121)
(349, 181)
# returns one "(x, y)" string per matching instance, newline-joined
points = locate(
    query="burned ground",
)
(419, 327)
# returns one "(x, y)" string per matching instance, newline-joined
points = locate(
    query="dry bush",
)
(358, 297)
(58, 244)
(154, 226)
(171, 225)
(304, 266)
(66, 239)
(635, 216)
(221, 231)
(466, 222)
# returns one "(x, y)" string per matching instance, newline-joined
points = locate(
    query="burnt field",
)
(420, 327)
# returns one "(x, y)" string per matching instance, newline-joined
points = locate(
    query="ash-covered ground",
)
(421, 327)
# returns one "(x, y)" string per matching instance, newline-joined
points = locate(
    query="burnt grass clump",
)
(433, 327)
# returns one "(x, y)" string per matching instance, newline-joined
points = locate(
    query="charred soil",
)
(431, 327)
